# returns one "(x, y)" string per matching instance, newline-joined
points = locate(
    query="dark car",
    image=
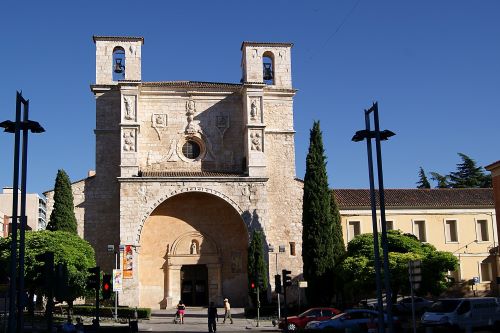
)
(316, 314)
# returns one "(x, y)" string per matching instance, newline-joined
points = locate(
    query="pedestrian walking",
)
(181, 308)
(227, 311)
(212, 317)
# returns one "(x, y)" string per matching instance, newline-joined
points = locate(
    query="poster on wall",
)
(128, 262)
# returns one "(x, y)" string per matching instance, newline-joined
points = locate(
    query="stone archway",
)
(188, 229)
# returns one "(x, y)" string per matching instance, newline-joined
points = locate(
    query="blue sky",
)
(433, 66)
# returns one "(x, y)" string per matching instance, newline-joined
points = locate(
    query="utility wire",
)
(344, 20)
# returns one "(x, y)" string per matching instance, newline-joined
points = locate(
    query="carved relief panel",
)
(129, 140)
(158, 121)
(257, 140)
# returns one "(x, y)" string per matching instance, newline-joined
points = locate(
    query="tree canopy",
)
(68, 248)
(257, 266)
(467, 175)
(318, 223)
(359, 273)
(62, 216)
(423, 182)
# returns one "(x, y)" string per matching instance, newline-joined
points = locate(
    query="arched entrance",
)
(193, 247)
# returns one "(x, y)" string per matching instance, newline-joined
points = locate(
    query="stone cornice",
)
(118, 39)
(193, 179)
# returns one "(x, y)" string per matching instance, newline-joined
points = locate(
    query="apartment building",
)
(36, 210)
(460, 221)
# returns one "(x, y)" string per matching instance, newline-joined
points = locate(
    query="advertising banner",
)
(128, 262)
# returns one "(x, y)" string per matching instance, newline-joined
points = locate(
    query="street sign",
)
(302, 284)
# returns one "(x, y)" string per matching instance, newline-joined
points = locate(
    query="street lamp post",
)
(271, 250)
(111, 249)
(378, 136)
(16, 127)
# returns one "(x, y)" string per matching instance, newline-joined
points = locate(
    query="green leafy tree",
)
(423, 182)
(442, 181)
(317, 223)
(359, 272)
(468, 174)
(62, 216)
(69, 249)
(257, 266)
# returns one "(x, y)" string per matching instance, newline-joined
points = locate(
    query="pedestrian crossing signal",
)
(106, 286)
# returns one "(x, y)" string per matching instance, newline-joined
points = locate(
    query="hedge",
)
(123, 312)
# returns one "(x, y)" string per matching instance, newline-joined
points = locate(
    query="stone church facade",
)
(186, 171)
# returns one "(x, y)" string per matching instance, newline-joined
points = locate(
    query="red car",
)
(317, 314)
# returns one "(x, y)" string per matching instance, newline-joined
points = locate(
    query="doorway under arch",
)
(199, 230)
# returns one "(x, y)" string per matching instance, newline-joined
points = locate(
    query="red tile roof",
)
(418, 198)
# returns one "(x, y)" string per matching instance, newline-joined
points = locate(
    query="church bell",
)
(118, 66)
(268, 71)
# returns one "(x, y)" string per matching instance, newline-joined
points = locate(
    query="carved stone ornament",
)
(194, 247)
(158, 120)
(192, 126)
(129, 102)
(254, 109)
(222, 123)
(256, 141)
(128, 140)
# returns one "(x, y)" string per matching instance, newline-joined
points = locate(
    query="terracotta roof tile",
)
(119, 38)
(418, 198)
(192, 84)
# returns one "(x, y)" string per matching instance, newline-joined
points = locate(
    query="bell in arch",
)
(118, 66)
(268, 71)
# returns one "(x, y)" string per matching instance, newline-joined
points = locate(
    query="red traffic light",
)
(252, 285)
(106, 286)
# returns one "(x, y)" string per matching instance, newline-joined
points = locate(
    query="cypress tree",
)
(62, 217)
(422, 182)
(257, 266)
(317, 224)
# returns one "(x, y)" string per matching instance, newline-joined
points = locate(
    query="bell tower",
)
(120, 55)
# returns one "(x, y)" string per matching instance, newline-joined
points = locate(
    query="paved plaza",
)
(196, 321)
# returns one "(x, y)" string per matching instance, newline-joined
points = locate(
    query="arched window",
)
(268, 67)
(118, 64)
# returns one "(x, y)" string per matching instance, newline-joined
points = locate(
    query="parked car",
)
(302, 319)
(354, 319)
(421, 305)
(463, 313)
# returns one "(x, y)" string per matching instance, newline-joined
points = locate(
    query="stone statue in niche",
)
(194, 248)
(128, 140)
(192, 126)
(254, 109)
(255, 139)
(129, 107)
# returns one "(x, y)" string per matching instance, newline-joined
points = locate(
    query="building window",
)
(482, 230)
(191, 149)
(389, 225)
(485, 271)
(419, 230)
(292, 248)
(451, 231)
(353, 230)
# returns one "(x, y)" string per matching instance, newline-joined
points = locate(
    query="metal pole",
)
(23, 222)
(279, 306)
(258, 305)
(13, 248)
(116, 292)
(412, 304)
(380, 305)
(385, 250)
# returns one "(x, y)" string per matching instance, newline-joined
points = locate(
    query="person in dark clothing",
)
(212, 317)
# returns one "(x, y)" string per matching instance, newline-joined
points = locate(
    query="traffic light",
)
(287, 279)
(106, 286)
(93, 280)
(252, 285)
(258, 281)
(277, 283)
